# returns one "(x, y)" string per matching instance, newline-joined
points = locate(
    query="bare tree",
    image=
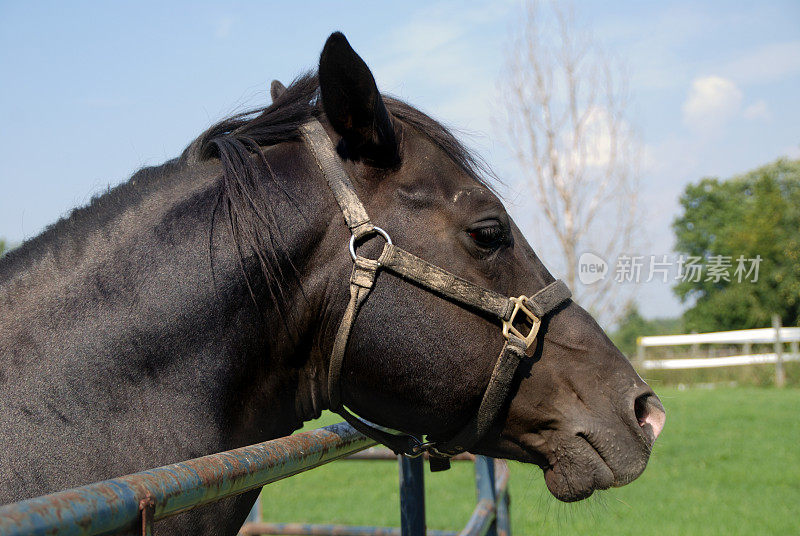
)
(565, 107)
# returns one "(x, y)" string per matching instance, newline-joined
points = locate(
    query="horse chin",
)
(577, 472)
(574, 467)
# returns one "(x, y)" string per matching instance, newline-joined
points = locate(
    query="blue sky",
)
(92, 91)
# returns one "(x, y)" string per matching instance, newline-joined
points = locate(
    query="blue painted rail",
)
(132, 503)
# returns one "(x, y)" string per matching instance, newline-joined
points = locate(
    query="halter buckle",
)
(535, 322)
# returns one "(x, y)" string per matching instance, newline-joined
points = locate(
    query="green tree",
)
(633, 325)
(752, 215)
(2, 246)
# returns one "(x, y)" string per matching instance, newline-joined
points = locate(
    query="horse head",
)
(419, 361)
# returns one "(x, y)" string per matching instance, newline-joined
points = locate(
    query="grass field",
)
(728, 462)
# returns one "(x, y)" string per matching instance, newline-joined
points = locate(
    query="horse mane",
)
(246, 182)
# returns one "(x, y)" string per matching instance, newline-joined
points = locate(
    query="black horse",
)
(193, 309)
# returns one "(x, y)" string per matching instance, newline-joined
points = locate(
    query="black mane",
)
(236, 142)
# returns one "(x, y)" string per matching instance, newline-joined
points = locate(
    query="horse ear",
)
(353, 104)
(276, 89)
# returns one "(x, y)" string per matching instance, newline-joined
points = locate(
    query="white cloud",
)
(437, 46)
(596, 146)
(766, 64)
(598, 143)
(436, 62)
(792, 152)
(757, 110)
(223, 27)
(712, 101)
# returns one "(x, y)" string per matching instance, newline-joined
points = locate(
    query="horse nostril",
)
(650, 414)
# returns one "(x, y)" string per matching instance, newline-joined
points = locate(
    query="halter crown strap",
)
(439, 281)
(355, 215)
(362, 279)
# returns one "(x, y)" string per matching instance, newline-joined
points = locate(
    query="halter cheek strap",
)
(512, 312)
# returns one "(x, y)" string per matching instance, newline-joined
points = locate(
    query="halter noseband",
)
(438, 281)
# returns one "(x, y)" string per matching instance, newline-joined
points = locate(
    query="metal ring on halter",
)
(420, 448)
(426, 446)
(375, 229)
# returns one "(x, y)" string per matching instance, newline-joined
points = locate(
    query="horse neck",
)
(156, 324)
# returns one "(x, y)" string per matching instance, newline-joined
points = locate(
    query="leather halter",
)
(509, 311)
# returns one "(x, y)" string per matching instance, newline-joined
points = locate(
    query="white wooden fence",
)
(777, 336)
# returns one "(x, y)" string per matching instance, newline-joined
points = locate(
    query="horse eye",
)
(488, 235)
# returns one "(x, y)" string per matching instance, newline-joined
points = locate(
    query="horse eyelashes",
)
(488, 236)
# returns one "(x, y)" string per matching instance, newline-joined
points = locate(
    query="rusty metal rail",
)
(132, 503)
(124, 504)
